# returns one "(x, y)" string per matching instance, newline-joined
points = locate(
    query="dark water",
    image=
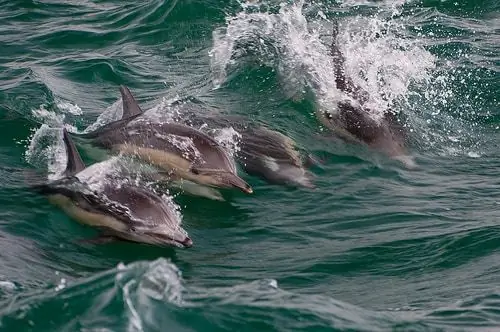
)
(374, 247)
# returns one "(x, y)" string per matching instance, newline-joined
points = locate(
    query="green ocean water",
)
(374, 247)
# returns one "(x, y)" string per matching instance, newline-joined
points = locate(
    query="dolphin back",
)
(131, 110)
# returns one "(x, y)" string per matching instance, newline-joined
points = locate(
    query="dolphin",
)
(352, 121)
(122, 211)
(273, 156)
(261, 151)
(182, 151)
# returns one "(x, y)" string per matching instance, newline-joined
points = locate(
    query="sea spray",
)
(383, 57)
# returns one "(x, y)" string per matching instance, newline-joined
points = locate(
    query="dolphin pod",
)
(180, 153)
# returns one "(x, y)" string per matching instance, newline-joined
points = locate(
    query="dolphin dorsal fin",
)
(75, 163)
(130, 106)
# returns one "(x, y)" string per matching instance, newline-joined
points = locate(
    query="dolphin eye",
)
(328, 115)
(195, 171)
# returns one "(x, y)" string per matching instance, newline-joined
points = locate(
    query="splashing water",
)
(70, 108)
(382, 57)
(46, 149)
(110, 114)
(281, 39)
(380, 63)
(229, 138)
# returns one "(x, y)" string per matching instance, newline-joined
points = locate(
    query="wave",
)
(153, 295)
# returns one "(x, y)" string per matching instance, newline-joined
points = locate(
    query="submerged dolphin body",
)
(261, 151)
(186, 153)
(352, 121)
(124, 211)
(273, 156)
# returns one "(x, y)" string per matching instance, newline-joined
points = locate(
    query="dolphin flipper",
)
(74, 163)
(99, 239)
(130, 106)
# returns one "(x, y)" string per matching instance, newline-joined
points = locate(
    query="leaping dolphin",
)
(352, 121)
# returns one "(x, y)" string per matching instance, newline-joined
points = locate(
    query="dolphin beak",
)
(187, 243)
(170, 237)
(182, 239)
(236, 181)
(225, 179)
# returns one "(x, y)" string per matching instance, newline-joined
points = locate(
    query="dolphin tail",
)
(130, 106)
(74, 163)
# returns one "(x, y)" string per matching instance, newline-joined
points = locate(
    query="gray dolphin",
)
(261, 151)
(183, 151)
(352, 121)
(273, 156)
(124, 211)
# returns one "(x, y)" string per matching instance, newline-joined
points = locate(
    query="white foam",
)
(61, 285)
(69, 108)
(7, 285)
(408, 161)
(110, 114)
(384, 66)
(46, 149)
(382, 56)
(472, 154)
(229, 138)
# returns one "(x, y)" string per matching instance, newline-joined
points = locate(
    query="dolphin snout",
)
(221, 178)
(236, 181)
(182, 239)
(168, 237)
(187, 243)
